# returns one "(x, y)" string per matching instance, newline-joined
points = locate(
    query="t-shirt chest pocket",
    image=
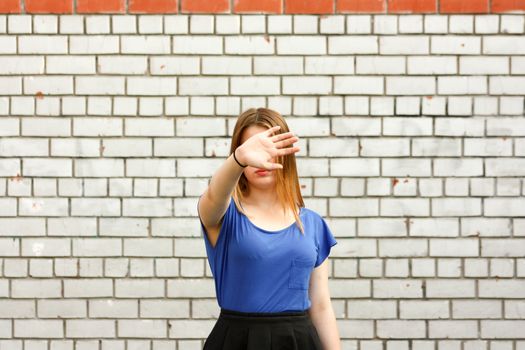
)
(300, 271)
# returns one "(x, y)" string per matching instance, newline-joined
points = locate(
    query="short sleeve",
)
(226, 224)
(325, 241)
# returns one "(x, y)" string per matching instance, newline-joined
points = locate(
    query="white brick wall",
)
(412, 134)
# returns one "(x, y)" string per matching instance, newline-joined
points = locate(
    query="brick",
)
(483, 65)
(39, 328)
(148, 6)
(249, 44)
(356, 207)
(457, 44)
(404, 45)
(17, 309)
(203, 86)
(507, 5)
(403, 248)
(410, 86)
(88, 288)
(10, 6)
(12, 65)
(139, 288)
(45, 44)
(400, 329)
(142, 328)
(46, 247)
(487, 147)
(101, 6)
(462, 85)
(356, 6)
(397, 288)
(432, 65)
(502, 85)
(110, 308)
(36, 288)
(155, 86)
(94, 44)
(501, 288)
(301, 45)
(411, 6)
(278, 65)
(262, 6)
(201, 6)
(306, 7)
(411, 24)
(255, 85)
(95, 329)
(49, 6)
(504, 206)
(416, 309)
(456, 207)
(476, 309)
(148, 247)
(502, 329)
(459, 6)
(332, 25)
(436, 147)
(452, 329)
(454, 247)
(96, 247)
(502, 248)
(371, 309)
(450, 288)
(193, 45)
(62, 308)
(192, 329)
(380, 65)
(353, 45)
(358, 85)
(148, 44)
(226, 65)
(307, 85)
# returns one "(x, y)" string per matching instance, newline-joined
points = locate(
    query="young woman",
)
(267, 252)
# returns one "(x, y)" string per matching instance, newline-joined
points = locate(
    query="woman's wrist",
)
(237, 160)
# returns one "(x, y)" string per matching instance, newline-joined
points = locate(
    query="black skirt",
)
(290, 330)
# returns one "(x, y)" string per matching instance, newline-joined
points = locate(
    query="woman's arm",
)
(215, 200)
(321, 311)
(256, 151)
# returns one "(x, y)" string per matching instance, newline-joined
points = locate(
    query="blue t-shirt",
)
(256, 270)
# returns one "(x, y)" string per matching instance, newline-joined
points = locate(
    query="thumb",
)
(273, 166)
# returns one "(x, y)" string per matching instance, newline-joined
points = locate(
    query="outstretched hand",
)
(258, 150)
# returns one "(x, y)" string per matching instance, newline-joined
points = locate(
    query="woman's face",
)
(262, 179)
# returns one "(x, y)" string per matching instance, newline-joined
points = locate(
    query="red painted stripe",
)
(412, 6)
(10, 6)
(261, 6)
(49, 6)
(309, 6)
(265, 6)
(101, 6)
(152, 6)
(360, 6)
(508, 5)
(464, 6)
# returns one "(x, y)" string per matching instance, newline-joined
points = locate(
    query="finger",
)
(281, 136)
(272, 129)
(284, 143)
(273, 166)
(288, 150)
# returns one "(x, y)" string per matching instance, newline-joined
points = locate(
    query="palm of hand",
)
(260, 148)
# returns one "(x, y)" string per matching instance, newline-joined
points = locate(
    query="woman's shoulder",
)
(310, 213)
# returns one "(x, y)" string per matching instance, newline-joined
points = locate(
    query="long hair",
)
(286, 180)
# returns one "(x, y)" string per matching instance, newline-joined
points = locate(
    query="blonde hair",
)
(286, 179)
